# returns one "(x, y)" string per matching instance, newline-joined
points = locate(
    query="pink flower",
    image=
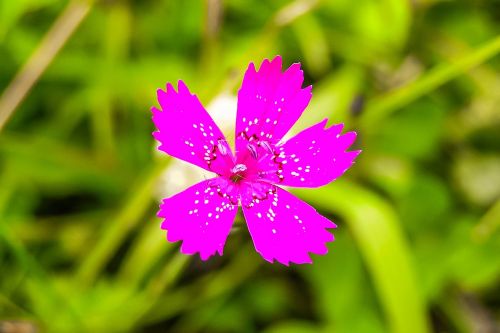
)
(282, 227)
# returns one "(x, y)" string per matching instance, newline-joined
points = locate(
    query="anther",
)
(222, 148)
(253, 151)
(266, 146)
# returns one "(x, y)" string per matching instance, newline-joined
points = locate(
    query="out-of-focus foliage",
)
(418, 243)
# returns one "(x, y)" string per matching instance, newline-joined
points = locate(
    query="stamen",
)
(222, 147)
(252, 150)
(266, 146)
(238, 172)
(239, 168)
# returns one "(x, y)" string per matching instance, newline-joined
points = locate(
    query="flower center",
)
(238, 173)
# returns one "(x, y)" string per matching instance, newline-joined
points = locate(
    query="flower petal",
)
(287, 229)
(269, 102)
(199, 217)
(316, 156)
(186, 130)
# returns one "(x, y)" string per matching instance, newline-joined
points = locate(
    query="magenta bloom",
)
(283, 227)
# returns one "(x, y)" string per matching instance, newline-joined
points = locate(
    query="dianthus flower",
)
(282, 227)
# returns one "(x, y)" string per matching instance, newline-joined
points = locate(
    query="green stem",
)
(120, 225)
(383, 106)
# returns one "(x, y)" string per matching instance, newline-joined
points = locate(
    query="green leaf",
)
(375, 227)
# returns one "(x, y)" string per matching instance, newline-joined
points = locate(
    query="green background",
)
(418, 243)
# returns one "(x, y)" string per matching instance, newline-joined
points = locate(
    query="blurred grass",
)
(375, 227)
(418, 238)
